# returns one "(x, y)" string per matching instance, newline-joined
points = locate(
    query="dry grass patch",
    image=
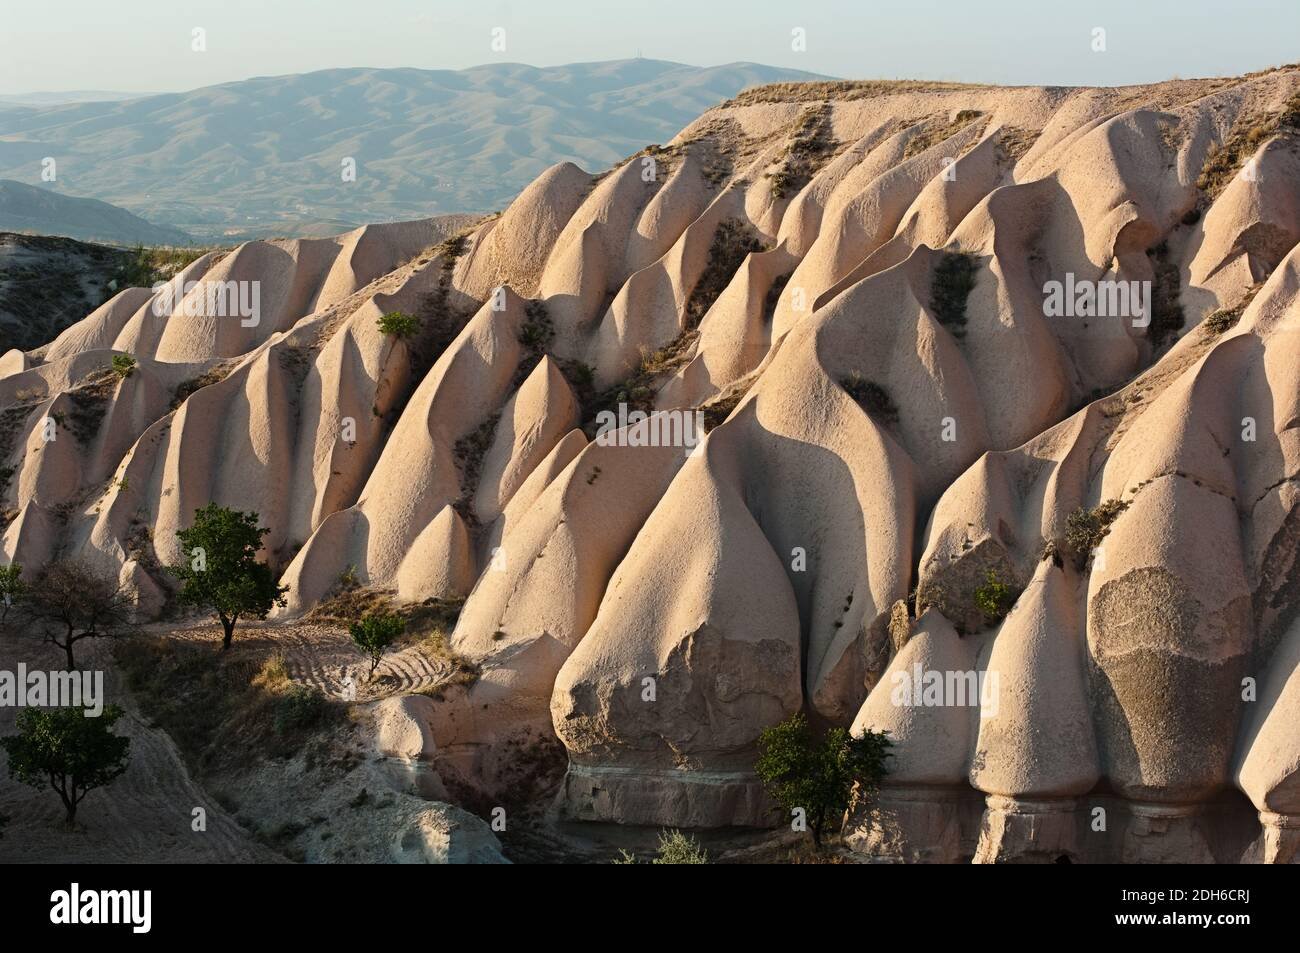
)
(225, 711)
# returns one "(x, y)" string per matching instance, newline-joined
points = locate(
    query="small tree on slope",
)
(72, 601)
(67, 750)
(374, 633)
(219, 568)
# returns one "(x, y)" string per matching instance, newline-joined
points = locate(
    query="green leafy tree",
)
(823, 777)
(219, 570)
(67, 750)
(994, 599)
(374, 633)
(72, 601)
(12, 588)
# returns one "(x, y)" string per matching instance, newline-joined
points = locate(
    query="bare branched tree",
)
(73, 601)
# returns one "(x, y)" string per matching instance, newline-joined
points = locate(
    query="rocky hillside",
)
(941, 438)
(49, 283)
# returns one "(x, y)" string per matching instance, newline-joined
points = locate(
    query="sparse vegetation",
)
(811, 144)
(226, 710)
(89, 405)
(823, 777)
(399, 324)
(871, 397)
(374, 633)
(841, 90)
(1242, 142)
(302, 708)
(212, 376)
(951, 285)
(732, 241)
(68, 751)
(1086, 528)
(1225, 319)
(148, 266)
(1166, 307)
(469, 452)
(439, 321)
(937, 133)
(219, 570)
(536, 334)
(719, 408)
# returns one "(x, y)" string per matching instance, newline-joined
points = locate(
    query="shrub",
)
(68, 751)
(375, 633)
(951, 285)
(123, 365)
(1085, 529)
(300, 708)
(822, 777)
(674, 848)
(399, 324)
(12, 588)
(994, 599)
(678, 848)
(1225, 319)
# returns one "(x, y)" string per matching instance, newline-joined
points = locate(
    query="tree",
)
(68, 750)
(73, 601)
(219, 570)
(12, 588)
(824, 778)
(375, 632)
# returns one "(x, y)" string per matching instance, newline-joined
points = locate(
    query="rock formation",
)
(936, 342)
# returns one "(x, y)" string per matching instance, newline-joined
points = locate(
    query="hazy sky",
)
(145, 45)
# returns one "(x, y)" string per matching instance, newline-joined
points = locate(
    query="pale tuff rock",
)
(919, 375)
(443, 834)
(404, 738)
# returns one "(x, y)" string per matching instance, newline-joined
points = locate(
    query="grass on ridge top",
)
(843, 89)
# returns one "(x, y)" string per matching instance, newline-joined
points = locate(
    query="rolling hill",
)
(265, 156)
(42, 211)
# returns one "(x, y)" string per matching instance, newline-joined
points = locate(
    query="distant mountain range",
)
(69, 96)
(42, 211)
(267, 155)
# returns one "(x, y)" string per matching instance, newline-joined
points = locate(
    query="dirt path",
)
(320, 655)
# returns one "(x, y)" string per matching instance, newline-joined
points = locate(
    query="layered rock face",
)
(974, 420)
